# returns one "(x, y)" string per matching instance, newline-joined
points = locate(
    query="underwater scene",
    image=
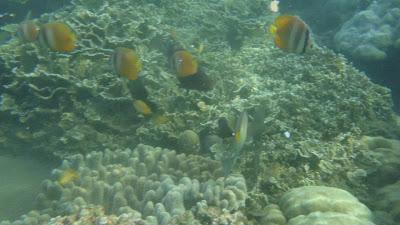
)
(199, 112)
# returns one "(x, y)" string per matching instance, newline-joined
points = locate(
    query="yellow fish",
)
(126, 63)
(142, 107)
(58, 37)
(68, 176)
(185, 64)
(291, 34)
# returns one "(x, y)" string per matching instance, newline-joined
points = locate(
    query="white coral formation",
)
(153, 182)
(323, 205)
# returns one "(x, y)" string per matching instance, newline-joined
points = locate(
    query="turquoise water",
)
(21, 178)
(199, 112)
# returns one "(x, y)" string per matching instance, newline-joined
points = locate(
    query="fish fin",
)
(272, 29)
(28, 15)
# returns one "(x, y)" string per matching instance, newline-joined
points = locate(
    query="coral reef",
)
(153, 183)
(313, 108)
(323, 205)
(82, 106)
(370, 34)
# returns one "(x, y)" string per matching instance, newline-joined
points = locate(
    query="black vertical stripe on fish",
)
(293, 36)
(307, 39)
(44, 39)
(300, 36)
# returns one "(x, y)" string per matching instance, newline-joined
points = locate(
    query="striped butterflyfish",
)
(58, 37)
(185, 64)
(291, 34)
(28, 31)
(126, 63)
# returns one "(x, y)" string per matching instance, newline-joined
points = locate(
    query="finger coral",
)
(153, 182)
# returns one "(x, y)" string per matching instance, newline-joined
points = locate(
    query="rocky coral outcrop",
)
(327, 205)
(380, 158)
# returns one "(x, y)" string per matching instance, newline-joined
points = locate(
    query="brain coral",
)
(154, 183)
(323, 205)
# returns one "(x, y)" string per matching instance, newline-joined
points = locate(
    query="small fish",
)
(291, 34)
(126, 63)
(68, 176)
(188, 73)
(274, 6)
(185, 64)
(160, 119)
(142, 107)
(28, 31)
(240, 134)
(58, 37)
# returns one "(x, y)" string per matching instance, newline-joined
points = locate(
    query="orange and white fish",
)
(126, 63)
(58, 37)
(291, 34)
(28, 31)
(185, 64)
